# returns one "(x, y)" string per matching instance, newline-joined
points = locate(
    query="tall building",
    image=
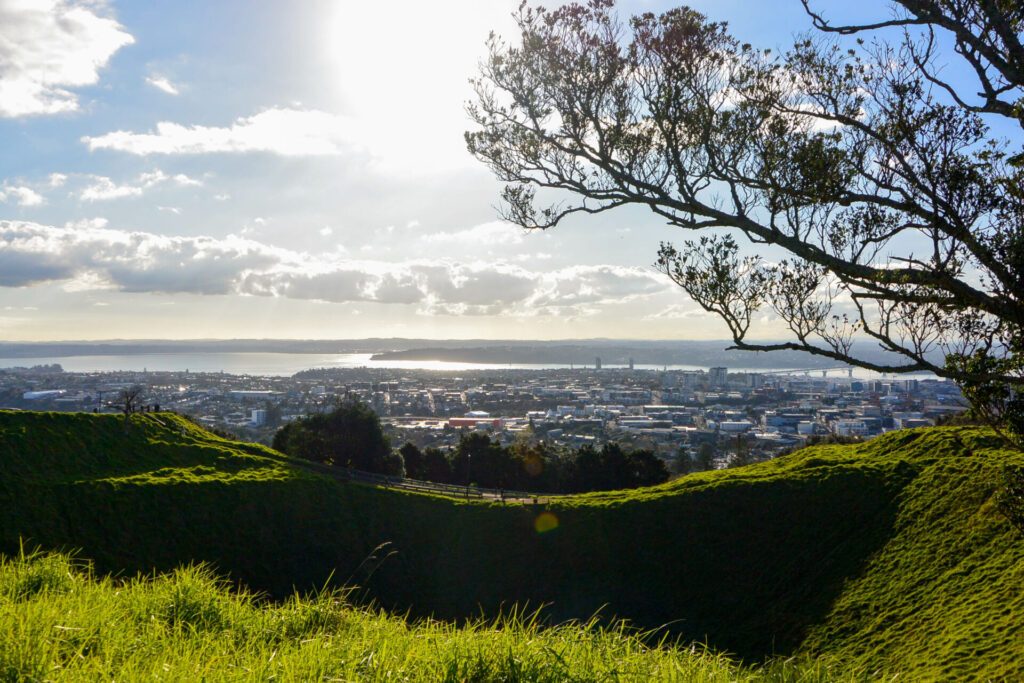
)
(597, 363)
(718, 377)
(630, 363)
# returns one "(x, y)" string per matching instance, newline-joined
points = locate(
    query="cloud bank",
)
(48, 46)
(91, 256)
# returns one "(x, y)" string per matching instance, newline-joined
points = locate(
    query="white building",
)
(41, 395)
(735, 426)
(851, 428)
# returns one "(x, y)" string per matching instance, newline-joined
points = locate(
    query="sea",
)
(287, 364)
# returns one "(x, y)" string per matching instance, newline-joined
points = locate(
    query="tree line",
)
(351, 436)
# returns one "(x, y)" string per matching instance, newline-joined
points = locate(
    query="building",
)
(255, 395)
(851, 428)
(476, 422)
(42, 395)
(735, 426)
(718, 377)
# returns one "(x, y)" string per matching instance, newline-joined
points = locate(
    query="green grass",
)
(888, 556)
(59, 622)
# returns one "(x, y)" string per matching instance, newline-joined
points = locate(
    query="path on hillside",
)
(418, 485)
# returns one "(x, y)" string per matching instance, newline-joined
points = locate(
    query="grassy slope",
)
(59, 623)
(886, 555)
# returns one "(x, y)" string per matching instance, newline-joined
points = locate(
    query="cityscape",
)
(671, 412)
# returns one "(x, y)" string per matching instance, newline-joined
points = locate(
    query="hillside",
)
(886, 556)
(59, 622)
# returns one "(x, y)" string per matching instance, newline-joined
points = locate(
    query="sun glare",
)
(402, 70)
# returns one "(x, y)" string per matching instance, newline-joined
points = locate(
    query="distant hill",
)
(700, 354)
(887, 556)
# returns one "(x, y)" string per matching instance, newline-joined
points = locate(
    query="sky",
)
(257, 169)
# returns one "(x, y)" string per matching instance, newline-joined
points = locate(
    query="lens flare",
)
(533, 465)
(545, 522)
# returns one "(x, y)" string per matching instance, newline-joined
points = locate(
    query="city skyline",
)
(262, 170)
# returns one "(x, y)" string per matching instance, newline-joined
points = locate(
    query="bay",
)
(287, 364)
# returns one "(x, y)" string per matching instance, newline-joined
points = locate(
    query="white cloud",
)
(161, 83)
(48, 46)
(597, 285)
(23, 196)
(287, 132)
(104, 189)
(479, 236)
(326, 231)
(689, 311)
(89, 255)
(57, 179)
(156, 177)
(87, 223)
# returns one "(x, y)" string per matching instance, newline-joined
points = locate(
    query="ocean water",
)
(286, 364)
(259, 363)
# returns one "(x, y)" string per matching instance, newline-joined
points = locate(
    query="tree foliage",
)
(1010, 496)
(350, 435)
(886, 200)
(539, 467)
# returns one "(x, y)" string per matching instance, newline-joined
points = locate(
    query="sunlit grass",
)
(60, 622)
(886, 556)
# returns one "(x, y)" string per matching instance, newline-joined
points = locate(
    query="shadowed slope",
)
(886, 553)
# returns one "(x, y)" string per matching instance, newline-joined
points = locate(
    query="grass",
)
(887, 556)
(59, 622)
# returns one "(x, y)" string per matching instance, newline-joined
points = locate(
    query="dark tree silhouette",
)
(129, 400)
(705, 459)
(414, 460)
(436, 466)
(348, 436)
(898, 209)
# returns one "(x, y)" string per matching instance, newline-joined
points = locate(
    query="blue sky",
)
(296, 169)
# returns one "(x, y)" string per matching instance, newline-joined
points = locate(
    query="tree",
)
(612, 468)
(481, 461)
(742, 457)
(348, 436)
(274, 413)
(705, 459)
(648, 468)
(887, 205)
(436, 466)
(129, 400)
(539, 466)
(414, 460)
(682, 463)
